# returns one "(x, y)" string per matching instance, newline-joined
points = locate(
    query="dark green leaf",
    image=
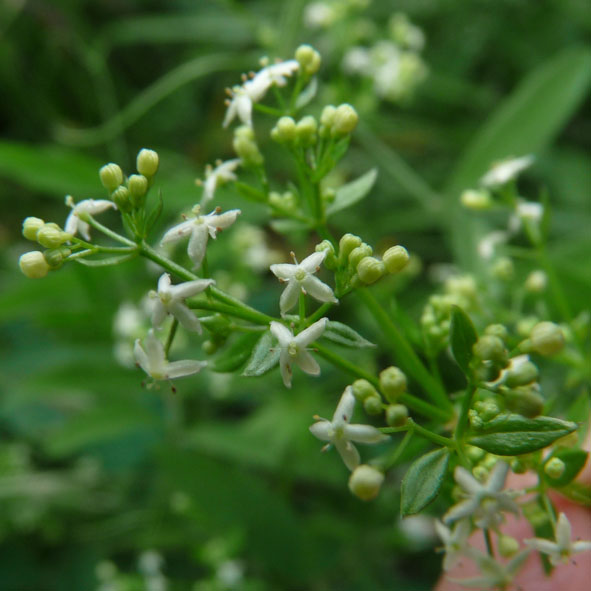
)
(340, 333)
(264, 356)
(574, 460)
(423, 480)
(235, 355)
(353, 192)
(462, 337)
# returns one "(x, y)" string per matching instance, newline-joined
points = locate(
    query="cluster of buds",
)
(302, 133)
(338, 122)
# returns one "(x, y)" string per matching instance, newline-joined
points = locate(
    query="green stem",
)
(99, 248)
(302, 310)
(225, 309)
(387, 462)
(320, 313)
(404, 353)
(488, 542)
(426, 433)
(462, 423)
(107, 231)
(170, 337)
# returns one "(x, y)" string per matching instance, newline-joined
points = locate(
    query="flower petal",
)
(283, 270)
(364, 434)
(345, 407)
(164, 283)
(185, 316)
(349, 453)
(197, 244)
(159, 313)
(563, 531)
(141, 357)
(318, 290)
(285, 366)
(322, 429)
(190, 288)
(71, 226)
(312, 333)
(155, 352)
(496, 479)
(460, 510)
(281, 333)
(178, 232)
(467, 481)
(186, 367)
(289, 297)
(312, 262)
(307, 363)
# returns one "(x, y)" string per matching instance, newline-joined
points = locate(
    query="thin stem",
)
(426, 433)
(387, 462)
(225, 309)
(108, 232)
(99, 248)
(302, 310)
(320, 313)
(171, 334)
(462, 423)
(488, 542)
(549, 509)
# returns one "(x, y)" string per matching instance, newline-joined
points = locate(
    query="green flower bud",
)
(346, 244)
(359, 253)
(246, 147)
(122, 199)
(476, 200)
(396, 258)
(480, 473)
(365, 482)
(370, 270)
(308, 58)
(392, 383)
(536, 282)
(55, 256)
(306, 129)
(554, 468)
(488, 409)
(490, 348)
(524, 401)
(503, 269)
(33, 264)
(52, 236)
(518, 466)
(507, 546)
(362, 389)
(373, 405)
(137, 185)
(283, 202)
(111, 176)
(345, 121)
(546, 338)
(396, 415)
(474, 453)
(284, 131)
(209, 347)
(330, 260)
(525, 373)
(147, 162)
(31, 226)
(327, 116)
(497, 330)
(525, 326)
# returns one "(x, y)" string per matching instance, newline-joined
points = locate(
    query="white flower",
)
(200, 228)
(293, 348)
(563, 548)
(152, 360)
(487, 245)
(319, 15)
(506, 170)
(340, 433)
(484, 502)
(169, 300)
(454, 541)
(526, 211)
(91, 206)
(300, 278)
(214, 177)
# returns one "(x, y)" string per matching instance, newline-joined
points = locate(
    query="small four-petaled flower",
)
(88, 206)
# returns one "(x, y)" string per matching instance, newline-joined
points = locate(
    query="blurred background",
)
(110, 486)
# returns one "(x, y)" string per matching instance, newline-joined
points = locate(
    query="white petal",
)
(94, 206)
(164, 283)
(209, 187)
(231, 112)
(197, 244)
(542, 545)
(364, 434)
(141, 357)
(155, 352)
(496, 479)
(289, 297)
(307, 363)
(345, 407)
(349, 453)
(71, 226)
(187, 367)
(190, 288)
(312, 333)
(285, 366)
(159, 313)
(312, 262)
(223, 220)
(256, 88)
(563, 531)
(581, 546)
(318, 290)
(178, 232)
(187, 319)
(281, 333)
(460, 510)
(322, 429)
(443, 531)
(283, 270)
(467, 481)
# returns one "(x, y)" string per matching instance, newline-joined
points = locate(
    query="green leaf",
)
(353, 192)
(264, 357)
(462, 337)
(578, 492)
(236, 355)
(340, 333)
(107, 262)
(423, 480)
(250, 193)
(574, 460)
(155, 213)
(307, 94)
(510, 435)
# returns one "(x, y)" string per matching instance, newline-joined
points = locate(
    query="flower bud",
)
(503, 269)
(518, 467)
(147, 162)
(327, 116)
(245, 146)
(55, 256)
(497, 330)
(370, 270)
(507, 545)
(536, 282)
(396, 415)
(284, 202)
(308, 58)
(490, 348)
(284, 131)
(52, 236)
(487, 409)
(346, 244)
(359, 253)
(31, 226)
(137, 185)
(476, 200)
(365, 482)
(480, 473)
(373, 405)
(524, 401)
(546, 338)
(111, 176)
(122, 199)
(521, 375)
(474, 453)
(362, 390)
(345, 120)
(554, 468)
(306, 131)
(392, 383)
(396, 258)
(33, 264)
(330, 260)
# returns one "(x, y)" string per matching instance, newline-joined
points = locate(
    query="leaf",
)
(353, 192)
(340, 333)
(155, 213)
(264, 357)
(510, 435)
(462, 338)
(236, 354)
(574, 460)
(578, 492)
(307, 94)
(423, 480)
(250, 193)
(106, 262)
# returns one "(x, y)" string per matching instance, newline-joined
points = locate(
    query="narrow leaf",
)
(462, 338)
(353, 192)
(264, 356)
(236, 354)
(340, 333)
(307, 94)
(423, 480)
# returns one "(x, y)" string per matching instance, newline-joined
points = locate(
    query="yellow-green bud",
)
(147, 162)
(524, 327)
(370, 270)
(346, 244)
(396, 258)
(137, 185)
(487, 409)
(490, 348)
(345, 120)
(536, 282)
(365, 482)
(503, 269)
(306, 131)
(525, 373)
(52, 236)
(392, 383)
(33, 264)
(362, 389)
(284, 131)
(284, 202)
(330, 260)
(245, 146)
(524, 401)
(55, 256)
(480, 473)
(327, 116)
(554, 468)
(111, 176)
(497, 330)
(396, 415)
(308, 58)
(507, 545)
(476, 200)
(209, 347)
(122, 199)
(546, 338)
(518, 466)
(31, 226)
(373, 405)
(474, 453)
(359, 253)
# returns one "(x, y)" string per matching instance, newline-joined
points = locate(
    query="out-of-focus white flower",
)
(340, 433)
(356, 61)
(90, 206)
(215, 177)
(562, 549)
(526, 211)
(506, 170)
(487, 245)
(484, 502)
(293, 348)
(300, 278)
(152, 359)
(319, 15)
(454, 541)
(169, 299)
(200, 228)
